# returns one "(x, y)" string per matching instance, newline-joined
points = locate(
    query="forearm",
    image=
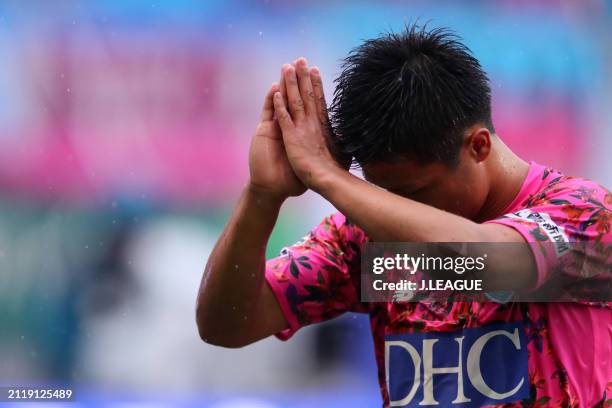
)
(385, 216)
(388, 217)
(232, 281)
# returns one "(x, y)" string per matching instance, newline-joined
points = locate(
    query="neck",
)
(508, 172)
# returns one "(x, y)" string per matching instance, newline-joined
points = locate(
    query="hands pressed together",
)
(290, 152)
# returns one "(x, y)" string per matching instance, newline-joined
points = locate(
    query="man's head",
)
(414, 111)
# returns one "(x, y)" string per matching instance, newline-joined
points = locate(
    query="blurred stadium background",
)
(124, 128)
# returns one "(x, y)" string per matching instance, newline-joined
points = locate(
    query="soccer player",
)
(413, 110)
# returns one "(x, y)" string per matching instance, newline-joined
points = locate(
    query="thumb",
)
(284, 119)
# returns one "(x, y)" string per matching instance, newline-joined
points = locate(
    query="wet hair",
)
(408, 95)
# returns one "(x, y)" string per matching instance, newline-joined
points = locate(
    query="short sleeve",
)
(317, 278)
(568, 211)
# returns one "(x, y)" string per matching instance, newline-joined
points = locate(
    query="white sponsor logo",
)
(425, 376)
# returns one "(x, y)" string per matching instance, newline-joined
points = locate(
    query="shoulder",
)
(581, 206)
(561, 190)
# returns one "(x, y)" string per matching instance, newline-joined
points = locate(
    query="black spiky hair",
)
(408, 95)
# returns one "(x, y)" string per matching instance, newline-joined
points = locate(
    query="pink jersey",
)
(469, 354)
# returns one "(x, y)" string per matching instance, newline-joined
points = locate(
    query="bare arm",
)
(235, 305)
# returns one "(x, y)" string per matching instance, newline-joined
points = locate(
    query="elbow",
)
(214, 339)
(217, 335)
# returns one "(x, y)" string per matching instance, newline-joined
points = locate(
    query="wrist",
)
(325, 180)
(262, 197)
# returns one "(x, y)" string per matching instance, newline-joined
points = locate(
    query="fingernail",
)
(315, 70)
(304, 60)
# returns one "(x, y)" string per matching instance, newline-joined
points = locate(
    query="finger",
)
(282, 87)
(296, 105)
(305, 85)
(267, 112)
(319, 95)
(283, 117)
(317, 85)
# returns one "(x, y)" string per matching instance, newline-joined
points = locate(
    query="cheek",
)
(462, 200)
(468, 191)
(461, 193)
(469, 199)
(469, 202)
(441, 198)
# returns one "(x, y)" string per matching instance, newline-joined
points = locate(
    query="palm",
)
(269, 166)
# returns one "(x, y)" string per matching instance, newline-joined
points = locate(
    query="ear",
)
(478, 143)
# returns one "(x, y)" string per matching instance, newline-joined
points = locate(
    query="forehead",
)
(403, 174)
